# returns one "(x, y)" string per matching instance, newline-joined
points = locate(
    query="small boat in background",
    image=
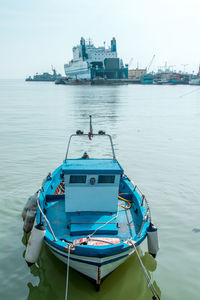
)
(60, 80)
(90, 214)
(146, 78)
(195, 80)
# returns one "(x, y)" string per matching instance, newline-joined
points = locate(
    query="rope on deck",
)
(150, 284)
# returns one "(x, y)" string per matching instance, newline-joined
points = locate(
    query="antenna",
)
(90, 134)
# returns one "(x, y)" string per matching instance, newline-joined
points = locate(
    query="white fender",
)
(152, 240)
(34, 244)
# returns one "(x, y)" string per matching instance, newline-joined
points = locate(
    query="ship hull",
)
(78, 70)
(51, 80)
(77, 82)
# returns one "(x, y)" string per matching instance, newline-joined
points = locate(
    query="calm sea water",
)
(156, 132)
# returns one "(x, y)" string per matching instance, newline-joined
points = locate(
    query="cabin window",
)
(77, 179)
(106, 179)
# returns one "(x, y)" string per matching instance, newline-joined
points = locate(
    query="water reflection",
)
(103, 104)
(126, 281)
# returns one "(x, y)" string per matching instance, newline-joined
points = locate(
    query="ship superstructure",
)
(90, 62)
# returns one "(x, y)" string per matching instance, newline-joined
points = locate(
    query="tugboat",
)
(90, 214)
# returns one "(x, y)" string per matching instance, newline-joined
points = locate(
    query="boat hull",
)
(94, 258)
(93, 267)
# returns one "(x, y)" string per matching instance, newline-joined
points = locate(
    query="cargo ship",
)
(93, 63)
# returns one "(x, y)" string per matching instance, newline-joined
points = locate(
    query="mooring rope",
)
(67, 279)
(150, 284)
(116, 216)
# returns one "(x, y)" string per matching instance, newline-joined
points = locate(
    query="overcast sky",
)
(37, 34)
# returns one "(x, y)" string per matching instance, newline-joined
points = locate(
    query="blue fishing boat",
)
(90, 214)
(146, 78)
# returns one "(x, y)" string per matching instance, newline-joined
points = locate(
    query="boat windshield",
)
(99, 146)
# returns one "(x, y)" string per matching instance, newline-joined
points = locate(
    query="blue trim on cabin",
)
(91, 166)
(93, 172)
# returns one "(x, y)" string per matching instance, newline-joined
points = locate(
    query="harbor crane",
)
(130, 62)
(148, 67)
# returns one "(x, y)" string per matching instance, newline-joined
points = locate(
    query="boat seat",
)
(86, 223)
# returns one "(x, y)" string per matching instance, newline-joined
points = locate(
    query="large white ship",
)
(90, 62)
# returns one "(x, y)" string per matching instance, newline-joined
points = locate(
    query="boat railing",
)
(144, 200)
(44, 216)
(101, 133)
(147, 216)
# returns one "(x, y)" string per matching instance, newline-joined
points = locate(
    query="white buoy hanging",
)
(152, 240)
(34, 244)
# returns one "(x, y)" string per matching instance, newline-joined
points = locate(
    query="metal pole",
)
(112, 147)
